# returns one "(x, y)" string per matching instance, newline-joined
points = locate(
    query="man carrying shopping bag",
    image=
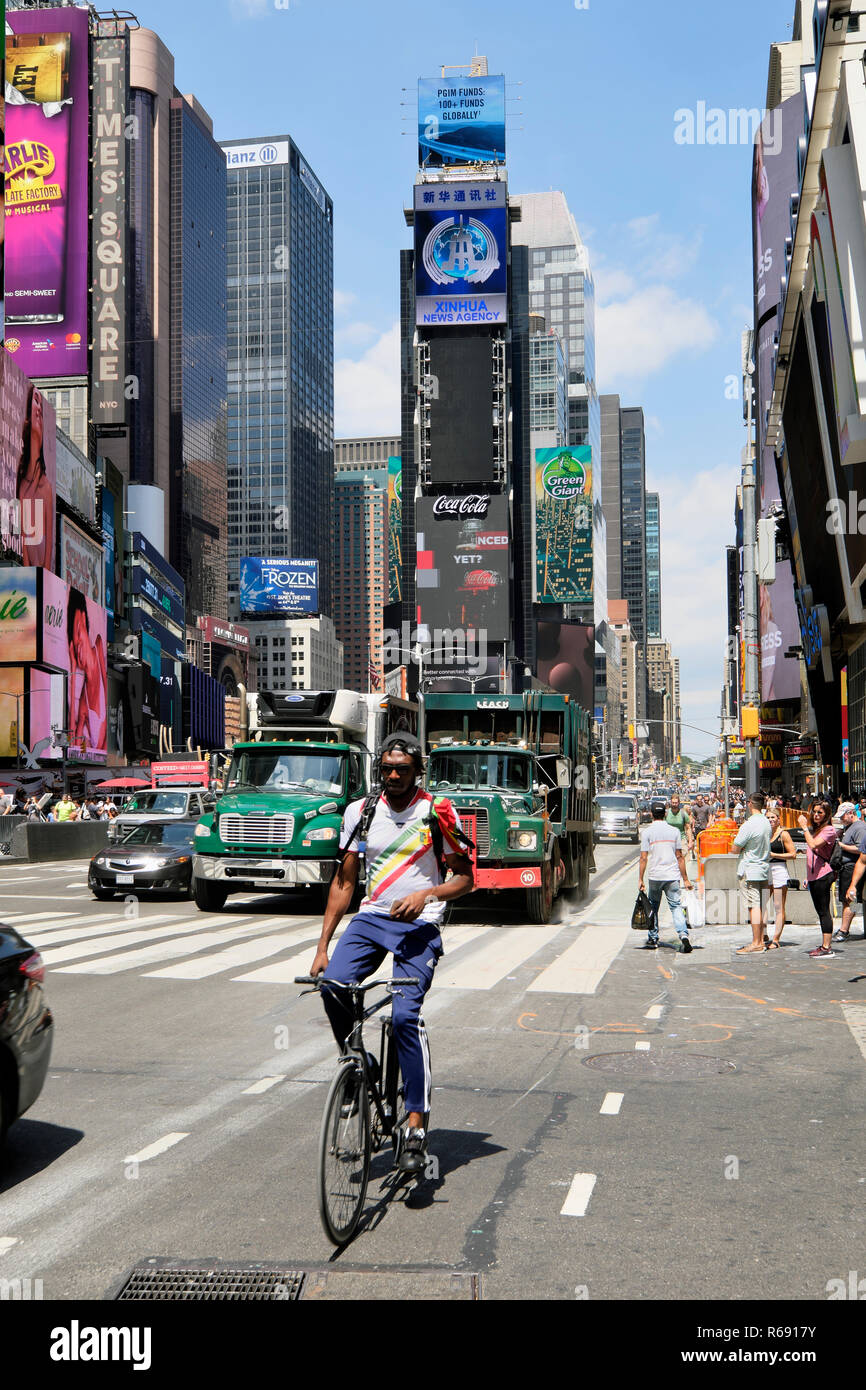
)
(661, 852)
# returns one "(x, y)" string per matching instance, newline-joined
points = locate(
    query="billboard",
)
(224, 634)
(19, 613)
(112, 532)
(28, 468)
(76, 479)
(563, 525)
(395, 529)
(463, 564)
(461, 253)
(566, 659)
(279, 586)
(260, 156)
(108, 227)
(82, 562)
(47, 174)
(461, 120)
(461, 408)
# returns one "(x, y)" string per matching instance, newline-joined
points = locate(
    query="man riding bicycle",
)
(409, 841)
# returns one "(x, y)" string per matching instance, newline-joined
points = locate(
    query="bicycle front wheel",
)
(344, 1154)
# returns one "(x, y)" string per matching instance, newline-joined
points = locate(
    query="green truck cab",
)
(518, 769)
(276, 826)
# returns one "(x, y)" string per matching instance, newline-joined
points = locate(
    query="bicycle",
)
(362, 1111)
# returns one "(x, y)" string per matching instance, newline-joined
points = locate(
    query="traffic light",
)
(750, 722)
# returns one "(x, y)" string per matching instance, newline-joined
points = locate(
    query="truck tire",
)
(539, 901)
(209, 897)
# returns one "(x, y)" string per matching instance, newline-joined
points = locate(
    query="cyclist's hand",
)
(410, 907)
(320, 963)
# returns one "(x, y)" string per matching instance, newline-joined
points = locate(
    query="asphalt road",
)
(608, 1123)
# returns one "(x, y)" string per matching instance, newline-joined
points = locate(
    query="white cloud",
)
(612, 283)
(641, 335)
(353, 336)
(654, 425)
(642, 227)
(250, 9)
(343, 300)
(367, 390)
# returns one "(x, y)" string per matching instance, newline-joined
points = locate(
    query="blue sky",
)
(592, 96)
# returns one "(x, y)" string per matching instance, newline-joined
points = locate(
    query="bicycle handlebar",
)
(357, 988)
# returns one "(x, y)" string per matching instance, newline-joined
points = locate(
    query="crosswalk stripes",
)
(257, 949)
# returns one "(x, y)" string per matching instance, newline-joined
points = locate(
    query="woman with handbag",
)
(782, 851)
(820, 838)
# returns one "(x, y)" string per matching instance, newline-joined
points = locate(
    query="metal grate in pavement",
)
(173, 1281)
(663, 1066)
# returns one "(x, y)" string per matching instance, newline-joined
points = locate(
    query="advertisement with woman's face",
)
(28, 468)
(88, 677)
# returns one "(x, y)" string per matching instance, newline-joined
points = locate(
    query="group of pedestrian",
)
(63, 810)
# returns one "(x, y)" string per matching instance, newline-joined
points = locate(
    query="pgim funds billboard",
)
(461, 120)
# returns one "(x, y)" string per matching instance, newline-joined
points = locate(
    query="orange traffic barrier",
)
(718, 840)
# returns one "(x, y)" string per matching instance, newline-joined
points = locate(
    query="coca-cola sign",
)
(473, 504)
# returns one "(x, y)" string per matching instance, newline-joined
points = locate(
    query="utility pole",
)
(751, 644)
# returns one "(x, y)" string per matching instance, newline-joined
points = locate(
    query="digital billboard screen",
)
(73, 640)
(461, 253)
(279, 586)
(461, 120)
(395, 529)
(19, 615)
(46, 186)
(566, 659)
(82, 561)
(28, 468)
(461, 408)
(463, 564)
(563, 525)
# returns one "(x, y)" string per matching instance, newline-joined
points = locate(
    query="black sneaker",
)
(413, 1154)
(685, 945)
(649, 946)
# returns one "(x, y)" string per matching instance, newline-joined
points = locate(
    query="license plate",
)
(125, 878)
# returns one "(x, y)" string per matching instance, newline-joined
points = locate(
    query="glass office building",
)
(280, 359)
(653, 569)
(199, 543)
(633, 494)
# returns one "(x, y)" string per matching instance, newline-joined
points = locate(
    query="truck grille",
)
(477, 827)
(256, 830)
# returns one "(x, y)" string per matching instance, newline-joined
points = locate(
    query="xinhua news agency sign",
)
(279, 586)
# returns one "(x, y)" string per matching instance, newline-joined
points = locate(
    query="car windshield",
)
(271, 769)
(156, 803)
(173, 836)
(615, 803)
(503, 771)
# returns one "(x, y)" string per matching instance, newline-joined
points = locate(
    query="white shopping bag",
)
(695, 907)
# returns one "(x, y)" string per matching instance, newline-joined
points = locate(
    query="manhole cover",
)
(174, 1281)
(664, 1066)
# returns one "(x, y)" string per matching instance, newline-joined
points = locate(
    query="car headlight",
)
(99, 859)
(325, 832)
(181, 859)
(522, 839)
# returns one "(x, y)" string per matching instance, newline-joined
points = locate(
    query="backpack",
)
(365, 820)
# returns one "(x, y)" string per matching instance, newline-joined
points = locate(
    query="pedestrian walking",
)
(662, 864)
(679, 817)
(853, 844)
(820, 837)
(782, 853)
(753, 869)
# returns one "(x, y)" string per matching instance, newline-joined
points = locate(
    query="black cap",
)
(658, 807)
(401, 742)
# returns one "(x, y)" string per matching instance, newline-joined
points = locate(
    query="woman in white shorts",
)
(782, 853)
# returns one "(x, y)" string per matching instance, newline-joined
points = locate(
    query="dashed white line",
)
(264, 1085)
(612, 1103)
(654, 1011)
(579, 1194)
(641, 1047)
(6, 1243)
(153, 1150)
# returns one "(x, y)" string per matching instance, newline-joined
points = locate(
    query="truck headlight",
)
(325, 832)
(522, 839)
(201, 830)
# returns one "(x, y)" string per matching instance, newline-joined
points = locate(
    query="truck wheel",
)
(209, 897)
(539, 901)
(584, 859)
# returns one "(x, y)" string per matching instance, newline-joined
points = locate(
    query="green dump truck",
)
(518, 768)
(276, 826)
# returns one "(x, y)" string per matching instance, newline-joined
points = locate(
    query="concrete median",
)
(36, 842)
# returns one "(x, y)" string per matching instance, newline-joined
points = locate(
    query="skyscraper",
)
(360, 566)
(633, 474)
(199, 543)
(653, 568)
(611, 490)
(280, 359)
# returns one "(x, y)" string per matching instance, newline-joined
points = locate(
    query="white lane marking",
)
(579, 1194)
(284, 971)
(41, 898)
(37, 917)
(264, 1085)
(153, 1150)
(654, 1011)
(242, 954)
(82, 887)
(855, 1017)
(70, 928)
(612, 1103)
(507, 948)
(6, 1243)
(593, 908)
(581, 968)
(91, 947)
(642, 1047)
(168, 950)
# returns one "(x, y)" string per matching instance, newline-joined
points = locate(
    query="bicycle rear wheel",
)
(344, 1154)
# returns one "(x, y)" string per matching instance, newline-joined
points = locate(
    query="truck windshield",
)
(502, 771)
(272, 768)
